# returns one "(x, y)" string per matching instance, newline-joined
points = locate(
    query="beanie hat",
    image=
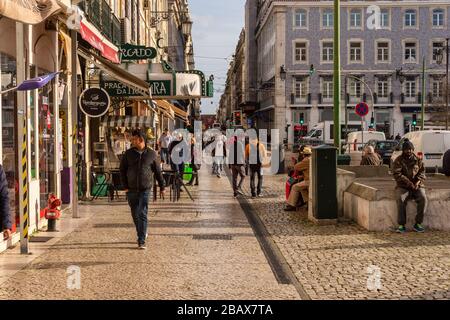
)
(407, 145)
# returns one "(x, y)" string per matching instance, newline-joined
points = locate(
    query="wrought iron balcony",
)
(99, 13)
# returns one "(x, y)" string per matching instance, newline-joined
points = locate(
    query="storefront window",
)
(8, 80)
(46, 142)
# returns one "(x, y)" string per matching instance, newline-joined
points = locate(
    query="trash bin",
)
(324, 182)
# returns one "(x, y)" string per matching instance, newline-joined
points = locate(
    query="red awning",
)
(94, 37)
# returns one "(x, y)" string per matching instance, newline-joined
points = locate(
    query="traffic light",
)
(372, 122)
(311, 70)
(237, 118)
(414, 120)
(302, 119)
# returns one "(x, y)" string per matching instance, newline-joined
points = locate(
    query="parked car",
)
(356, 140)
(430, 145)
(384, 148)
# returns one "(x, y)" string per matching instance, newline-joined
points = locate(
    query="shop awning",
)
(98, 41)
(174, 110)
(116, 72)
(165, 107)
(28, 11)
(129, 121)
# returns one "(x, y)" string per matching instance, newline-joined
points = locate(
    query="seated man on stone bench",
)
(409, 172)
(300, 189)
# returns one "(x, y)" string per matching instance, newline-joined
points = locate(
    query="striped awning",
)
(129, 121)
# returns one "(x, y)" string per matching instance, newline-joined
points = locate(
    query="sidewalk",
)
(180, 262)
(334, 262)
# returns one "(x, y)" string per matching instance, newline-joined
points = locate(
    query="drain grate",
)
(40, 239)
(212, 237)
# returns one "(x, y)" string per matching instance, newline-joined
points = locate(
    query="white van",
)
(430, 145)
(356, 140)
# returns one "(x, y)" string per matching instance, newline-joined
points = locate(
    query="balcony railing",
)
(99, 13)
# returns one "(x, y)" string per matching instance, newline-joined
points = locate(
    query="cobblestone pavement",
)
(175, 265)
(340, 261)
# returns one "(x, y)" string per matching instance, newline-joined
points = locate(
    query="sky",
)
(215, 32)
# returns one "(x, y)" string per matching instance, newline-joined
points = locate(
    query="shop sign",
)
(160, 88)
(94, 102)
(131, 52)
(63, 117)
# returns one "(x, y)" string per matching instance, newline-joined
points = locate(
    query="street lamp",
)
(186, 27)
(283, 72)
(439, 60)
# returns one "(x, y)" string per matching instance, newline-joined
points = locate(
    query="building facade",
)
(381, 61)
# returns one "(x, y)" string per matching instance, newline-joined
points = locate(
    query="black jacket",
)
(137, 170)
(5, 217)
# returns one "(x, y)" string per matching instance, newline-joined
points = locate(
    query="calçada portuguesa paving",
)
(327, 262)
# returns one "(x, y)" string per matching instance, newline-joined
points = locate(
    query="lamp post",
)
(440, 58)
(337, 76)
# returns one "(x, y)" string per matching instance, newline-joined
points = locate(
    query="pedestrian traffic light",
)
(302, 119)
(372, 122)
(414, 120)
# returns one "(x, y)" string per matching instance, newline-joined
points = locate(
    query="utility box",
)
(323, 208)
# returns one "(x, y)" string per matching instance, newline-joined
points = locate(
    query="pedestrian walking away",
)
(164, 142)
(195, 166)
(255, 154)
(236, 160)
(409, 173)
(5, 217)
(138, 167)
(219, 153)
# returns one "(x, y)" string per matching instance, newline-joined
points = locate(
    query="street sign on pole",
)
(362, 109)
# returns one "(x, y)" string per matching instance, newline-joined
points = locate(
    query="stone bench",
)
(371, 203)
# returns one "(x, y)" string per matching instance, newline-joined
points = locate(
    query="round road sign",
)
(362, 109)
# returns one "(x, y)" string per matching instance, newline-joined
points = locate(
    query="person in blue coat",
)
(5, 217)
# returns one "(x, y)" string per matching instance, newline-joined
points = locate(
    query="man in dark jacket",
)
(137, 168)
(409, 172)
(236, 160)
(5, 217)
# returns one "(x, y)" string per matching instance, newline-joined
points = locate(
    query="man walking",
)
(5, 218)
(137, 168)
(164, 142)
(236, 160)
(409, 172)
(219, 153)
(255, 154)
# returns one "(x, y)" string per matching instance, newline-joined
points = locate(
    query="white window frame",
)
(439, 81)
(302, 98)
(406, 88)
(431, 48)
(388, 27)
(322, 42)
(404, 42)
(324, 80)
(350, 27)
(444, 11)
(417, 18)
(306, 11)
(294, 42)
(388, 89)
(389, 60)
(322, 15)
(349, 42)
(351, 82)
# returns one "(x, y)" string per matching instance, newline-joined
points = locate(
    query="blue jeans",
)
(138, 202)
(165, 155)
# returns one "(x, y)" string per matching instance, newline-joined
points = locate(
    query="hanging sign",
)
(94, 102)
(131, 52)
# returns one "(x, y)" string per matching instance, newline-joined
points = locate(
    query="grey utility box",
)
(323, 197)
